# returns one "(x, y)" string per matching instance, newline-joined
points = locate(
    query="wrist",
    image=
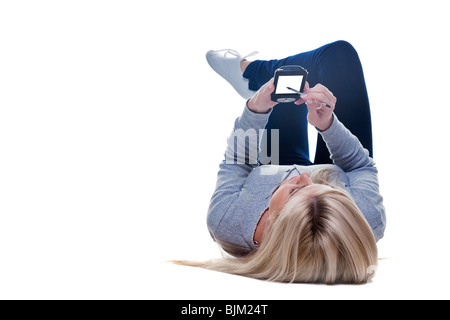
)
(327, 125)
(251, 106)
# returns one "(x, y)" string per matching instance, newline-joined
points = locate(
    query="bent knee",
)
(341, 52)
(342, 47)
(342, 44)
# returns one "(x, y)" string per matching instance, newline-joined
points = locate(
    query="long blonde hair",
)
(319, 239)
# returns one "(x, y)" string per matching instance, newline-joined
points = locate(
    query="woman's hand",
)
(319, 116)
(261, 102)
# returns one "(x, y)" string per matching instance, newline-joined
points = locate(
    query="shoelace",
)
(236, 54)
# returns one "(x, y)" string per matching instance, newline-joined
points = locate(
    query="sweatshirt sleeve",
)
(345, 149)
(243, 142)
(240, 159)
(361, 174)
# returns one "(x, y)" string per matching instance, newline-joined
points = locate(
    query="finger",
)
(322, 94)
(306, 89)
(299, 101)
(327, 92)
(312, 104)
(312, 107)
(320, 87)
(269, 87)
(303, 97)
(316, 107)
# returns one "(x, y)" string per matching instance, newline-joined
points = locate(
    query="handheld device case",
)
(291, 70)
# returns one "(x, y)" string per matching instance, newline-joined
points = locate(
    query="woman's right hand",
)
(261, 102)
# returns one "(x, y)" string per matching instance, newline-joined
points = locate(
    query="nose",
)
(305, 179)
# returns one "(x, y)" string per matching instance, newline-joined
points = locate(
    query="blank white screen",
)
(294, 82)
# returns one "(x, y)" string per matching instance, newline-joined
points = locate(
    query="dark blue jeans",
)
(337, 67)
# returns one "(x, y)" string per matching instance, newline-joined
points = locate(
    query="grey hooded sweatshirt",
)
(243, 190)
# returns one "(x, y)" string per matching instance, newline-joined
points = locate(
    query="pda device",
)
(288, 81)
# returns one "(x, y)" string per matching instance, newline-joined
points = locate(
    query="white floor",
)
(112, 126)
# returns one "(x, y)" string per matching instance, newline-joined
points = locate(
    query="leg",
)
(340, 70)
(337, 67)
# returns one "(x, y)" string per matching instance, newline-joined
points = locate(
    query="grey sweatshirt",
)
(243, 190)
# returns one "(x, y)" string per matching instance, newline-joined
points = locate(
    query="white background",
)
(112, 126)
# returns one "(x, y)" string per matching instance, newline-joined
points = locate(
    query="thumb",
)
(270, 86)
(306, 89)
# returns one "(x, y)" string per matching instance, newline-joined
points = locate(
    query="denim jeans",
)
(337, 67)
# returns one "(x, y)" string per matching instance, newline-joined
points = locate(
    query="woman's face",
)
(300, 186)
(290, 187)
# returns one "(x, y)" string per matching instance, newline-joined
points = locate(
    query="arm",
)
(345, 149)
(364, 188)
(362, 175)
(233, 171)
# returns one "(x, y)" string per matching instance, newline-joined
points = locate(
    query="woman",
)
(299, 221)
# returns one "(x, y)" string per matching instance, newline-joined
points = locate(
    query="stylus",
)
(300, 93)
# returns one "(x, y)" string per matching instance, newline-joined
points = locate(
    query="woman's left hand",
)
(319, 116)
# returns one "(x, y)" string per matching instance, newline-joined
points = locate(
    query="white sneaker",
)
(227, 63)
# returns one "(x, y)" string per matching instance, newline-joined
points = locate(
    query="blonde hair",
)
(317, 239)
